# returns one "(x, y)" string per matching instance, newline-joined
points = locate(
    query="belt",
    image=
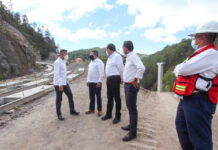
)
(113, 76)
(198, 94)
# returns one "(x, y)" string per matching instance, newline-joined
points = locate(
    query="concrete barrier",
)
(31, 94)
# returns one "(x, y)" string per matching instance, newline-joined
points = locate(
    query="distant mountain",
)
(142, 56)
(171, 55)
(84, 53)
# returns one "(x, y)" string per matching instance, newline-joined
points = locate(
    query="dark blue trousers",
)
(193, 122)
(131, 103)
(93, 90)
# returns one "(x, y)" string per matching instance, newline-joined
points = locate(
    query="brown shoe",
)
(90, 112)
(100, 113)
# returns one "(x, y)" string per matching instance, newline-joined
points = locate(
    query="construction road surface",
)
(34, 126)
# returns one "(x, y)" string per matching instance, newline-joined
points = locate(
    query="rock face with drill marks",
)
(16, 54)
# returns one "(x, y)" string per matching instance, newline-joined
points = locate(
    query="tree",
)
(17, 18)
(168, 80)
(25, 19)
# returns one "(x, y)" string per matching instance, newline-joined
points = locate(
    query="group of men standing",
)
(196, 86)
(117, 73)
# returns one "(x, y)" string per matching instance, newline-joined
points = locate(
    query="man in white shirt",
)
(197, 104)
(133, 72)
(94, 82)
(61, 85)
(114, 73)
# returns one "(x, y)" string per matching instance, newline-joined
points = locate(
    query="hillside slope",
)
(171, 55)
(16, 54)
(84, 53)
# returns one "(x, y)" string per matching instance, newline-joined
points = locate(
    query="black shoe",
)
(130, 136)
(74, 113)
(116, 120)
(60, 117)
(126, 128)
(106, 117)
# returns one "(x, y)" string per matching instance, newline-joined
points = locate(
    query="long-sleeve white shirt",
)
(60, 72)
(114, 65)
(96, 71)
(205, 64)
(134, 68)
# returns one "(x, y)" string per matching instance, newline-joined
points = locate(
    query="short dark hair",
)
(128, 45)
(212, 36)
(62, 51)
(95, 52)
(111, 46)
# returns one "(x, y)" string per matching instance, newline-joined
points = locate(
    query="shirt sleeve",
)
(198, 64)
(57, 74)
(87, 80)
(120, 66)
(140, 67)
(101, 71)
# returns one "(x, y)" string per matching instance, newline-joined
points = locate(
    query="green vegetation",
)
(40, 41)
(171, 55)
(142, 56)
(84, 54)
(168, 80)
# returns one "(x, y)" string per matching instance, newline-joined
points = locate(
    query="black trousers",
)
(113, 93)
(131, 100)
(93, 90)
(69, 94)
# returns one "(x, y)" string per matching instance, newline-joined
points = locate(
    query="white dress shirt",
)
(114, 66)
(134, 68)
(96, 71)
(205, 64)
(60, 72)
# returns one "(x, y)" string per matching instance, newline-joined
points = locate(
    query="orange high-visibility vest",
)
(186, 85)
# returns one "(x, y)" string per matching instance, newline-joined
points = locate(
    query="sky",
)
(150, 24)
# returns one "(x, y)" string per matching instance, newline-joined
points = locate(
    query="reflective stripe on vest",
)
(185, 85)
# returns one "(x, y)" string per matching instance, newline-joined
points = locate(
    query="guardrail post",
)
(160, 76)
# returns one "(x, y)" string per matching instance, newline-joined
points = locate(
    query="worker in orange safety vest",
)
(196, 86)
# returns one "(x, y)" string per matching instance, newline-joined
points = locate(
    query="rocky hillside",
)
(16, 54)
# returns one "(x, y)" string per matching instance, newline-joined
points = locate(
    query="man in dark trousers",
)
(196, 86)
(61, 85)
(94, 82)
(114, 73)
(133, 72)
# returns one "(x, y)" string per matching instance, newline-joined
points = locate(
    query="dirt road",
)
(35, 126)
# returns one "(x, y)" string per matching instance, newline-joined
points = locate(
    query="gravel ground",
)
(34, 126)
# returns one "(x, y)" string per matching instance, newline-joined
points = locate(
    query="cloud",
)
(108, 7)
(160, 35)
(83, 33)
(115, 34)
(172, 16)
(127, 33)
(55, 10)
(51, 12)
